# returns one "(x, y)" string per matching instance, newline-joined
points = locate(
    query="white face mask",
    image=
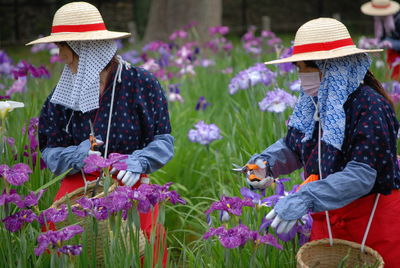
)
(310, 83)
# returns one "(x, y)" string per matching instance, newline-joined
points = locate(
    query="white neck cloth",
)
(81, 91)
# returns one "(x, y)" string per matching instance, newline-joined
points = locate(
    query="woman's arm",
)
(335, 191)
(280, 158)
(152, 157)
(60, 159)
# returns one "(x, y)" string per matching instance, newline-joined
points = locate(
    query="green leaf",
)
(50, 183)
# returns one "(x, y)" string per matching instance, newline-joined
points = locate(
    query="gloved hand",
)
(129, 178)
(261, 173)
(278, 223)
(385, 44)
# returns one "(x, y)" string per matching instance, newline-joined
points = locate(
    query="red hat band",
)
(78, 28)
(324, 46)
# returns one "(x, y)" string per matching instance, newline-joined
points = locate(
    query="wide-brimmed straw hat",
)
(320, 39)
(380, 8)
(78, 21)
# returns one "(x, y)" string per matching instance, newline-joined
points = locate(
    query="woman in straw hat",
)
(343, 132)
(387, 30)
(99, 92)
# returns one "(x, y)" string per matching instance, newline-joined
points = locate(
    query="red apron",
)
(349, 223)
(391, 56)
(72, 182)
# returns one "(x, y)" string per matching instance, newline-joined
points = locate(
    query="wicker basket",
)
(103, 226)
(343, 253)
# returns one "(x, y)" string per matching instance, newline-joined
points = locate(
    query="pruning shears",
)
(248, 169)
(92, 138)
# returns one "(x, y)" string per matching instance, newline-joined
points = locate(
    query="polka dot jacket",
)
(370, 137)
(140, 112)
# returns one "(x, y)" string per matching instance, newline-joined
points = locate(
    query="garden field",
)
(225, 105)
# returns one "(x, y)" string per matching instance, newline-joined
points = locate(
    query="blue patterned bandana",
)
(341, 77)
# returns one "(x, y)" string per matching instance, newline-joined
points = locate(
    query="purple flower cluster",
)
(41, 47)
(256, 44)
(95, 162)
(124, 198)
(258, 73)
(222, 30)
(179, 34)
(16, 175)
(204, 134)
(277, 101)
(239, 235)
(24, 69)
(12, 196)
(6, 65)
(55, 238)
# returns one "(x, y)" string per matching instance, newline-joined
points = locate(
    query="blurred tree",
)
(166, 16)
(141, 10)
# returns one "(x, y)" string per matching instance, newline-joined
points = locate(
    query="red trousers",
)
(391, 56)
(350, 222)
(72, 182)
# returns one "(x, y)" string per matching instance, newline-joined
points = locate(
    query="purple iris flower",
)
(247, 193)
(277, 101)
(71, 250)
(19, 85)
(79, 212)
(231, 238)
(97, 207)
(32, 199)
(11, 197)
(288, 66)
(5, 63)
(232, 205)
(268, 239)
(53, 215)
(257, 74)
(204, 134)
(55, 238)
(16, 175)
(132, 56)
(95, 162)
(15, 222)
(23, 69)
(174, 93)
(201, 104)
(295, 85)
(101, 209)
(304, 230)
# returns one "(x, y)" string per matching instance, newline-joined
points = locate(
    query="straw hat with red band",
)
(320, 39)
(380, 8)
(78, 21)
